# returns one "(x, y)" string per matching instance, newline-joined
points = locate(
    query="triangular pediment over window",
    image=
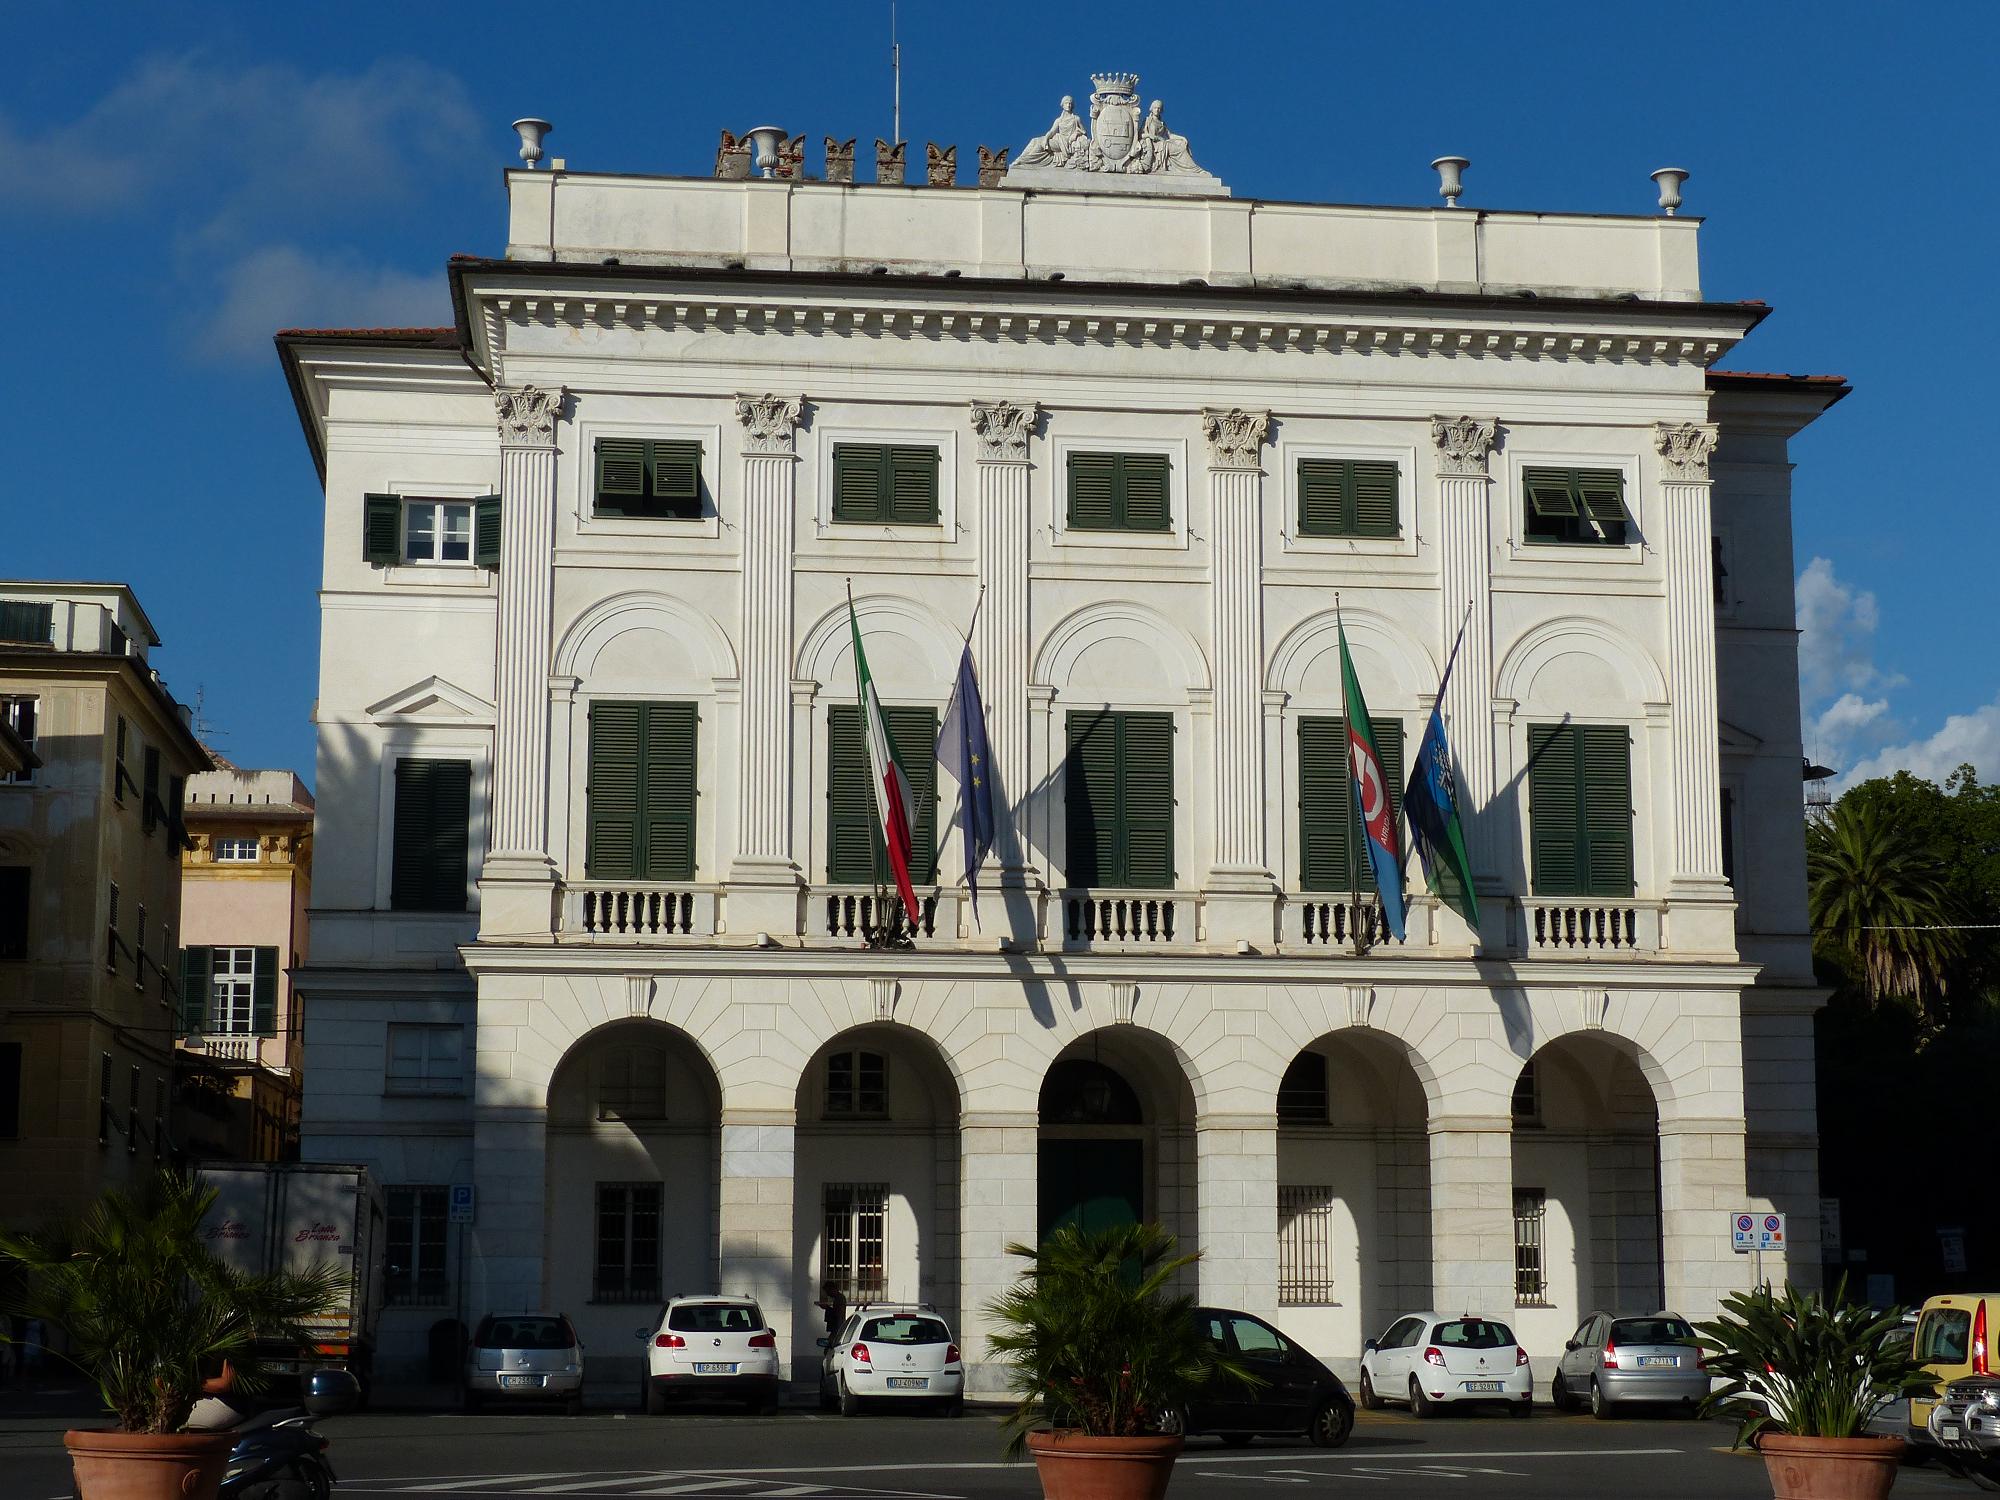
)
(432, 701)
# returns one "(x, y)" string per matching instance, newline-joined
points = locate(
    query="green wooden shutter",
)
(860, 482)
(1093, 478)
(1148, 492)
(1324, 802)
(621, 477)
(1374, 488)
(913, 734)
(1322, 487)
(677, 478)
(851, 834)
(611, 794)
(1554, 810)
(197, 964)
(382, 530)
(1601, 495)
(486, 531)
(27, 622)
(1146, 800)
(667, 787)
(1604, 761)
(913, 487)
(1549, 492)
(264, 992)
(1090, 795)
(432, 835)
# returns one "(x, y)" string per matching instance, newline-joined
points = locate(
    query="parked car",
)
(716, 1348)
(892, 1351)
(1610, 1361)
(1951, 1342)
(524, 1357)
(1295, 1393)
(1965, 1422)
(1427, 1360)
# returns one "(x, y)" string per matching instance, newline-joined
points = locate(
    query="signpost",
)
(461, 1203)
(1752, 1233)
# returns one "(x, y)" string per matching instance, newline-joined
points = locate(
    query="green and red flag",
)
(895, 803)
(1371, 796)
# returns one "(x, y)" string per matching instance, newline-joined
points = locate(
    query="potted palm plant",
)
(1806, 1374)
(155, 1320)
(1104, 1357)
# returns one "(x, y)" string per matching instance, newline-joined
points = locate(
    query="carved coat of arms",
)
(1125, 148)
(1114, 119)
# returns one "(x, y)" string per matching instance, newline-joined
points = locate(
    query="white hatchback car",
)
(1430, 1360)
(892, 1350)
(711, 1349)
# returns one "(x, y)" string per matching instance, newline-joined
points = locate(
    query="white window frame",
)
(847, 1211)
(439, 508)
(232, 994)
(228, 851)
(1630, 553)
(869, 533)
(11, 712)
(658, 532)
(1175, 451)
(434, 1070)
(1404, 544)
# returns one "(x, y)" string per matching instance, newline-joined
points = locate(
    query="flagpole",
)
(979, 602)
(1451, 660)
(884, 920)
(1347, 754)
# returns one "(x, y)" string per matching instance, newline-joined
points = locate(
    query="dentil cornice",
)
(1235, 437)
(769, 422)
(1684, 449)
(528, 415)
(1463, 443)
(1002, 429)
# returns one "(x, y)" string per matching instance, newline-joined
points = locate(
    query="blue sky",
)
(176, 182)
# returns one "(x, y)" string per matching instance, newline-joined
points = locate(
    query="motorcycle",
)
(278, 1456)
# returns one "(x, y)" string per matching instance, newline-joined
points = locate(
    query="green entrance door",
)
(1097, 1184)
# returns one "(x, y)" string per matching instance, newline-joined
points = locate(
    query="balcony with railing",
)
(1587, 927)
(627, 911)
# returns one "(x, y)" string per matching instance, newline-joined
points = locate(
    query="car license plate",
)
(1481, 1387)
(1658, 1359)
(715, 1369)
(906, 1383)
(520, 1380)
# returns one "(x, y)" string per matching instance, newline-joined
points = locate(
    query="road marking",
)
(620, 1482)
(410, 1488)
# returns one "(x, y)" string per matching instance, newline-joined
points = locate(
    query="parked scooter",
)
(278, 1456)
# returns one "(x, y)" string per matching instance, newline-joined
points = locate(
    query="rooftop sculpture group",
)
(1118, 142)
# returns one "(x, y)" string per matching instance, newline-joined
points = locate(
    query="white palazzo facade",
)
(696, 1073)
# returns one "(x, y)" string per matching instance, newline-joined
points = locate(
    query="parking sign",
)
(461, 1203)
(1771, 1232)
(1743, 1233)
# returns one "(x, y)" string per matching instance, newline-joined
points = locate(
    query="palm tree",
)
(1878, 904)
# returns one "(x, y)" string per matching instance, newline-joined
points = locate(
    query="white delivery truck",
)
(292, 1216)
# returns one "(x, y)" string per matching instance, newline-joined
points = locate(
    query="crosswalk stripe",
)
(705, 1482)
(482, 1480)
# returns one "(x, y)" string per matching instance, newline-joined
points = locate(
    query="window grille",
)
(1305, 1268)
(416, 1234)
(628, 1243)
(1531, 1206)
(857, 1224)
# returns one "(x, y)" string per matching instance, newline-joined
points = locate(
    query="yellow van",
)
(1952, 1343)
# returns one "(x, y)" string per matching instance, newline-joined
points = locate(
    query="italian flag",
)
(894, 802)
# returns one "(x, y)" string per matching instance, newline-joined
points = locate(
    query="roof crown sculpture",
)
(1121, 151)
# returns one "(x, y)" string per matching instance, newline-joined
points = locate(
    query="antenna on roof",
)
(896, 70)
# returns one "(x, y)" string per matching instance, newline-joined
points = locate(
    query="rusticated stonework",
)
(1002, 429)
(528, 416)
(1235, 437)
(1684, 449)
(768, 422)
(1463, 443)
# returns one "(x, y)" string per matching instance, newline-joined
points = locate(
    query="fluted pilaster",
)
(1001, 431)
(1684, 501)
(1465, 552)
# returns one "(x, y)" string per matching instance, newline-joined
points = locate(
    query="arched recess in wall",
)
(692, 651)
(911, 651)
(1575, 661)
(1395, 671)
(1119, 651)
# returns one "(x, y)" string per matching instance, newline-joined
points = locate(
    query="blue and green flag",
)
(1371, 796)
(1430, 802)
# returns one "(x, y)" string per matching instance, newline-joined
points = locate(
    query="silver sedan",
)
(1609, 1361)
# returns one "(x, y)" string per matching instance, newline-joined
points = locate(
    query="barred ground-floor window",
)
(1305, 1266)
(417, 1274)
(627, 1265)
(856, 1218)
(1531, 1211)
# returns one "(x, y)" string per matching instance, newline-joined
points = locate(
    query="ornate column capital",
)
(1463, 444)
(1684, 449)
(1003, 428)
(528, 415)
(769, 422)
(1236, 437)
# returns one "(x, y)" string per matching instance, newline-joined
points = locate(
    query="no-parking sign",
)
(1771, 1232)
(1743, 1233)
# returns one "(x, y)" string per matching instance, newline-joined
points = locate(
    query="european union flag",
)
(964, 732)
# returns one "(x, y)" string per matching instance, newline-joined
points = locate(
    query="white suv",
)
(1431, 1360)
(715, 1348)
(891, 1350)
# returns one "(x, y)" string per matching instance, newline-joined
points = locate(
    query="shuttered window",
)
(1347, 497)
(1332, 856)
(1575, 507)
(1118, 787)
(382, 530)
(895, 484)
(855, 854)
(486, 532)
(1119, 492)
(27, 623)
(649, 479)
(641, 791)
(432, 835)
(1580, 809)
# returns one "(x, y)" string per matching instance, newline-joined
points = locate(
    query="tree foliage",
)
(1878, 903)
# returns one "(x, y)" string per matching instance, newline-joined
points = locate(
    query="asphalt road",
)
(801, 1456)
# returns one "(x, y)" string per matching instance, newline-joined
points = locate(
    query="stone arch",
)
(1299, 658)
(924, 656)
(1632, 672)
(697, 640)
(1064, 661)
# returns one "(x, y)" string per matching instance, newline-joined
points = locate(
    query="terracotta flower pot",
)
(1811, 1468)
(1075, 1467)
(148, 1465)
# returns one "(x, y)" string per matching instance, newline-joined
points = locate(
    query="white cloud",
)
(1846, 717)
(284, 287)
(1972, 739)
(1837, 637)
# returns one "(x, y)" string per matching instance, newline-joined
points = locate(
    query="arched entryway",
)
(875, 1196)
(1354, 1182)
(1116, 1138)
(634, 1156)
(1586, 1188)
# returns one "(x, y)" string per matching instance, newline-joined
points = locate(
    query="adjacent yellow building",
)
(90, 894)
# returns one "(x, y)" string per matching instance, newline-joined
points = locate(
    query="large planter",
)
(148, 1465)
(1075, 1467)
(1813, 1468)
